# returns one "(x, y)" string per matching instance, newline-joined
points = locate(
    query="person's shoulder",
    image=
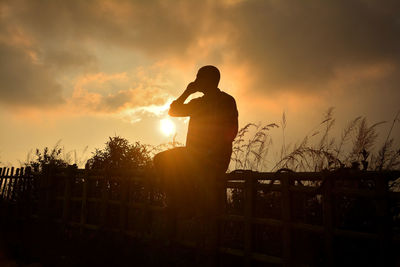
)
(227, 97)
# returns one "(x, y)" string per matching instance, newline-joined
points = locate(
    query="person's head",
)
(208, 78)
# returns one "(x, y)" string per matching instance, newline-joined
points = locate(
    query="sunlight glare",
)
(167, 127)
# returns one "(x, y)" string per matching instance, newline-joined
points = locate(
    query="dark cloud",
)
(296, 43)
(286, 45)
(155, 27)
(67, 59)
(24, 82)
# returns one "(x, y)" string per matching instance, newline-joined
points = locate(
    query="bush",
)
(119, 153)
(47, 157)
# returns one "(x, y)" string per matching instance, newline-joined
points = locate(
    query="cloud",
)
(25, 82)
(292, 44)
(156, 27)
(112, 93)
(70, 58)
(64, 38)
(276, 46)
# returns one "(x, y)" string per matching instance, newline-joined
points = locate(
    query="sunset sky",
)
(80, 71)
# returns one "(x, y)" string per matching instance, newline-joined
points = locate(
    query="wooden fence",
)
(281, 218)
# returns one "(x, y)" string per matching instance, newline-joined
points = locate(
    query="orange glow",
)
(167, 127)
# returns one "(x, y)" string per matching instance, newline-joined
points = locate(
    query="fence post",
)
(15, 184)
(9, 190)
(146, 205)
(67, 196)
(84, 202)
(28, 193)
(43, 204)
(2, 171)
(222, 209)
(23, 182)
(123, 203)
(286, 215)
(327, 202)
(5, 183)
(104, 199)
(384, 227)
(20, 187)
(248, 215)
(17, 192)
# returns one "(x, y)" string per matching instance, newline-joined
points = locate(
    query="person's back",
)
(213, 121)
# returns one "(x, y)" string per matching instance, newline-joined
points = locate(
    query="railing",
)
(280, 218)
(315, 204)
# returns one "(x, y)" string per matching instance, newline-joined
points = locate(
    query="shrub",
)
(119, 153)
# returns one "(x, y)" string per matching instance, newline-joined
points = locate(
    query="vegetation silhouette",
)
(253, 146)
(47, 157)
(120, 154)
(319, 150)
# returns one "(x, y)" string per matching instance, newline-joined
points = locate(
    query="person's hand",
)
(192, 88)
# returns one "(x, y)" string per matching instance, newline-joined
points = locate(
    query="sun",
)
(167, 127)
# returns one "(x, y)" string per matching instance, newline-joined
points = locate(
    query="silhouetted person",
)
(191, 173)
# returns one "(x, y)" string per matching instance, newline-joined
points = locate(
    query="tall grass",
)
(319, 150)
(251, 153)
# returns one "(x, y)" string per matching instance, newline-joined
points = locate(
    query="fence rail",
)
(268, 217)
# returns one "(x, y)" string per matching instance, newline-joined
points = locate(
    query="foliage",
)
(56, 157)
(47, 157)
(318, 150)
(119, 153)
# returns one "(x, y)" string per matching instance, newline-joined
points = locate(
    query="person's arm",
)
(178, 108)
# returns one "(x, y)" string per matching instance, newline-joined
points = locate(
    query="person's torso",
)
(210, 127)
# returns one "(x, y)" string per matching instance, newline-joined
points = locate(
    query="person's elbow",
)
(172, 113)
